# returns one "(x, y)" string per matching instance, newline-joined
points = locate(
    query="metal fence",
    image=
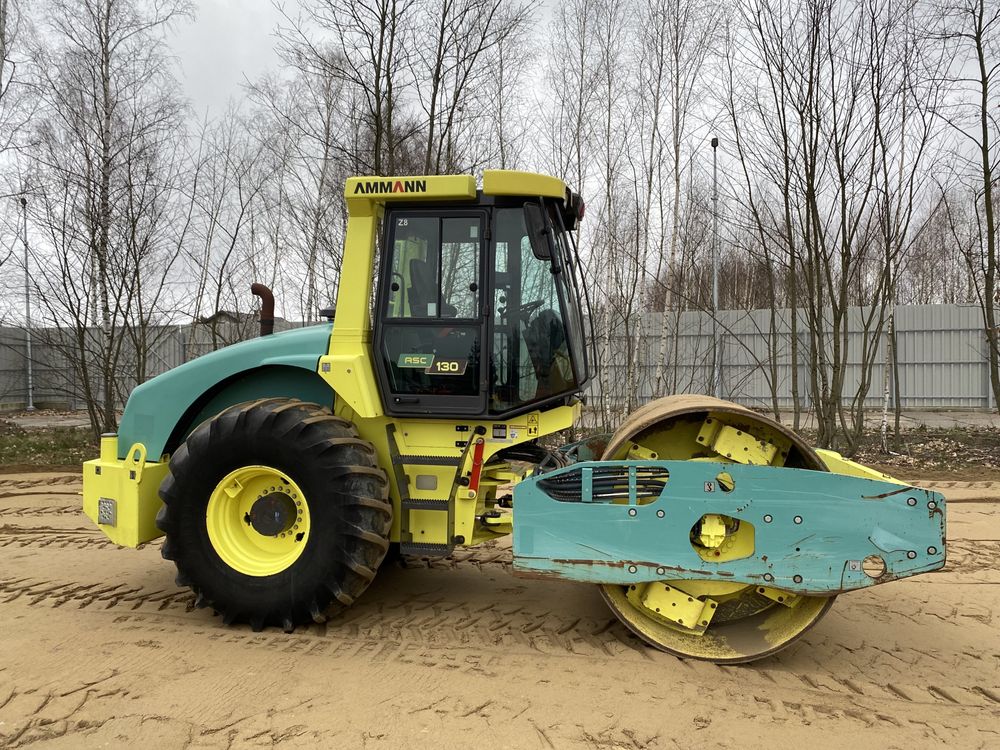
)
(942, 359)
(942, 356)
(56, 378)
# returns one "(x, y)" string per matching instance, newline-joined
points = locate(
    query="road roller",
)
(423, 414)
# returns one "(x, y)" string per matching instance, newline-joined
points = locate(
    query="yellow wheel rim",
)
(258, 520)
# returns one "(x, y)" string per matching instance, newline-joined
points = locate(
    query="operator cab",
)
(478, 310)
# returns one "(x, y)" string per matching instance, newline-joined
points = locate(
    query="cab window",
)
(531, 353)
(435, 267)
(430, 339)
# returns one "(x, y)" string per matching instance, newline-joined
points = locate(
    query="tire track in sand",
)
(452, 636)
(46, 536)
(444, 634)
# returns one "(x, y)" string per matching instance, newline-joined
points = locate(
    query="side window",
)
(429, 337)
(531, 353)
(414, 242)
(434, 271)
(460, 267)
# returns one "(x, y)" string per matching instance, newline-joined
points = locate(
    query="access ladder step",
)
(426, 460)
(414, 549)
(425, 504)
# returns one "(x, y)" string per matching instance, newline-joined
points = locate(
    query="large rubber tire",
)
(346, 496)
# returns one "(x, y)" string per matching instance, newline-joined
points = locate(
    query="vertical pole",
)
(27, 311)
(716, 344)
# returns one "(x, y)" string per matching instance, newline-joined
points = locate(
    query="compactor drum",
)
(280, 470)
(748, 621)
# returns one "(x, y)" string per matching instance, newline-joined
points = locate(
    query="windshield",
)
(537, 330)
(571, 280)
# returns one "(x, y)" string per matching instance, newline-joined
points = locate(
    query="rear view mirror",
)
(537, 231)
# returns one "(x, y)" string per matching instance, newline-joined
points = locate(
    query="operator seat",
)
(545, 338)
(423, 292)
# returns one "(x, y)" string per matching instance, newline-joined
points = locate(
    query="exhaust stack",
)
(266, 308)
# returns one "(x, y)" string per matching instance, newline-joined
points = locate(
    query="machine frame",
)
(282, 468)
(443, 484)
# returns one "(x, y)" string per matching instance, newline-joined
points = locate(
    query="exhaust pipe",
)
(266, 308)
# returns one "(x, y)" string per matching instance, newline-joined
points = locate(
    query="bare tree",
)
(686, 30)
(232, 186)
(110, 110)
(453, 47)
(833, 122)
(17, 104)
(970, 33)
(16, 107)
(366, 44)
(302, 134)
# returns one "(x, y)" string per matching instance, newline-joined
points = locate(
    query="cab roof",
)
(452, 187)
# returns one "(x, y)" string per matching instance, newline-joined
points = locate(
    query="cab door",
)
(430, 319)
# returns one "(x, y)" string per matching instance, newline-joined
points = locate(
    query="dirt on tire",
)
(99, 647)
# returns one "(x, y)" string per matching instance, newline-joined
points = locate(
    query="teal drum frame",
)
(805, 532)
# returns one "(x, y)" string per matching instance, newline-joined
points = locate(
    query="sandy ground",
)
(99, 648)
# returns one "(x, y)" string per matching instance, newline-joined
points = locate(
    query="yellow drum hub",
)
(258, 520)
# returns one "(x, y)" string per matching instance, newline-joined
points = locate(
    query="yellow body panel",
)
(349, 372)
(347, 367)
(437, 187)
(509, 182)
(437, 438)
(840, 465)
(127, 490)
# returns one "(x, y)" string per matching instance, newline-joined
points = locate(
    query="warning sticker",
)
(532, 425)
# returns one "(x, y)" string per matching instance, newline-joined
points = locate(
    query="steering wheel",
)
(529, 307)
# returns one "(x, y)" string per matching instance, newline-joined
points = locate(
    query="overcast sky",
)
(230, 41)
(227, 42)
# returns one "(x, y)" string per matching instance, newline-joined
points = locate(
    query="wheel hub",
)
(272, 514)
(258, 520)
